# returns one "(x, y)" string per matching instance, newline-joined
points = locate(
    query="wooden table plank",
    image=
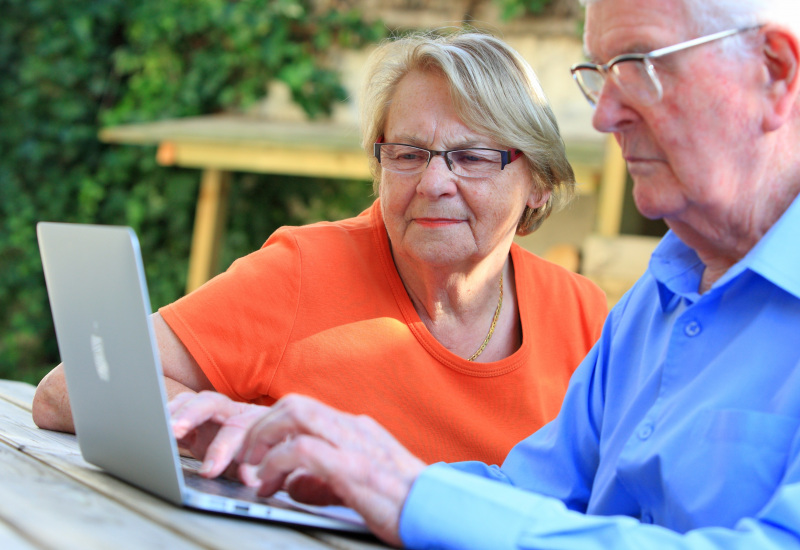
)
(19, 393)
(322, 163)
(252, 144)
(346, 543)
(233, 129)
(48, 508)
(60, 452)
(11, 539)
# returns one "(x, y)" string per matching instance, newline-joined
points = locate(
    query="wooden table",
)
(221, 144)
(51, 498)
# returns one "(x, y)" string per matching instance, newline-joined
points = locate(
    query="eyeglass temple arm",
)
(376, 148)
(509, 156)
(698, 41)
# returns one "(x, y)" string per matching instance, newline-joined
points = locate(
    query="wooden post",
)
(612, 190)
(209, 227)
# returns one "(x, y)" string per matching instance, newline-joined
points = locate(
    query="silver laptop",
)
(101, 311)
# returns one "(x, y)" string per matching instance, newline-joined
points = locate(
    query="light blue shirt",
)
(679, 429)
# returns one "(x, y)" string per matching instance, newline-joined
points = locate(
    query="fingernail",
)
(178, 428)
(206, 466)
(249, 475)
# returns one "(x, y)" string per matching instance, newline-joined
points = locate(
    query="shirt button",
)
(646, 430)
(692, 329)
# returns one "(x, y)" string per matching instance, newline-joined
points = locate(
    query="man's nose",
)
(612, 110)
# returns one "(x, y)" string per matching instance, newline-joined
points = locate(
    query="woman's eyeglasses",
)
(470, 163)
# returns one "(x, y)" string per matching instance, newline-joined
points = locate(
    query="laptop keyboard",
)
(224, 487)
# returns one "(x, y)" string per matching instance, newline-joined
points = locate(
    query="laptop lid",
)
(101, 312)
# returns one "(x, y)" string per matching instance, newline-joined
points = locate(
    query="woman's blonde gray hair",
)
(495, 93)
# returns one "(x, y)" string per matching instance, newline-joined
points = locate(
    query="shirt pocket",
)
(733, 462)
(766, 431)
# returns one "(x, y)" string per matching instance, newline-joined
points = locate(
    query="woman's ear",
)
(781, 58)
(537, 198)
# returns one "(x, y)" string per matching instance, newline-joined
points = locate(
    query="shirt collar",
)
(776, 257)
(677, 268)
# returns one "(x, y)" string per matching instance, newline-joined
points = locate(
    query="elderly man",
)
(680, 428)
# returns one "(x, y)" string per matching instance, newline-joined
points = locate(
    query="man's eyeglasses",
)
(469, 163)
(634, 73)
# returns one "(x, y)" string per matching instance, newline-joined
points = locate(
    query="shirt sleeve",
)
(448, 508)
(236, 326)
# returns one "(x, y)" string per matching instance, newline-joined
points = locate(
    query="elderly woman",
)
(420, 312)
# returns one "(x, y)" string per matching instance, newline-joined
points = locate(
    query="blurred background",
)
(92, 95)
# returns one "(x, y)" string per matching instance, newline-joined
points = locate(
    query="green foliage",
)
(69, 68)
(509, 9)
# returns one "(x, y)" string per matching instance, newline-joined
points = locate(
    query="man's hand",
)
(324, 456)
(212, 427)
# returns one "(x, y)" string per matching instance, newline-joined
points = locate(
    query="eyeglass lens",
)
(635, 77)
(467, 162)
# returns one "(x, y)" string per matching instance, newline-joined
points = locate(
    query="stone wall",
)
(550, 42)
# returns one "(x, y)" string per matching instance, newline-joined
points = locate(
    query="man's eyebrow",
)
(593, 58)
(632, 48)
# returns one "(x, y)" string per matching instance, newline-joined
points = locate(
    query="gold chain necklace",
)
(494, 323)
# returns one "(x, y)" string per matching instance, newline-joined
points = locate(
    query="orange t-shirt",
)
(321, 310)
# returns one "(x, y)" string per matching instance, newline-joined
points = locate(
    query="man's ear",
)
(781, 57)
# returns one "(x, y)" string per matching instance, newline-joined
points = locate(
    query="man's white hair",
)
(717, 15)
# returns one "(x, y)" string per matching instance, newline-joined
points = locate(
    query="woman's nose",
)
(437, 179)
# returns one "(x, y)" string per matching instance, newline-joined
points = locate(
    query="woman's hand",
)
(324, 456)
(213, 427)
